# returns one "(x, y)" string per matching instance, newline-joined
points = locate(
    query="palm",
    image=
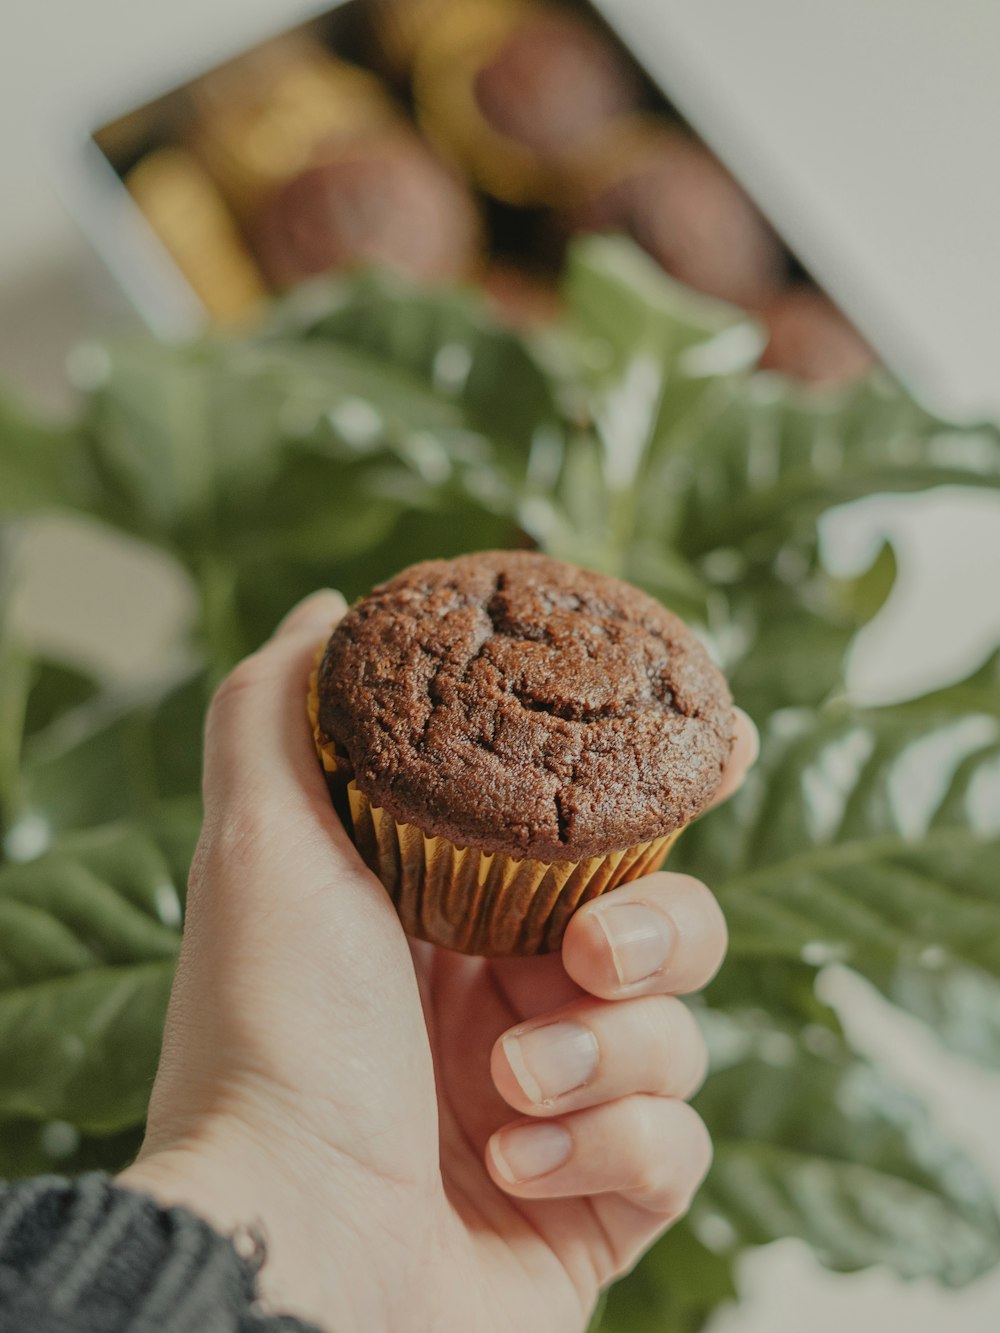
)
(530, 1254)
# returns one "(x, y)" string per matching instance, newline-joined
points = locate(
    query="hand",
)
(428, 1141)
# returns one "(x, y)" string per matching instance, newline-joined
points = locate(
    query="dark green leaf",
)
(977, 693)
(89, 934)
(778, 993)
(866, 837)
(654, 367)
(960, 1002)
(824, 1149)
(41, 466)
(55, 688)
(15, 684)
(676, 1288)
(621, 306)
(115, 758)
(84, 1047)
(445, 339)
(865, 595)
(779, 457)
(33, 1148)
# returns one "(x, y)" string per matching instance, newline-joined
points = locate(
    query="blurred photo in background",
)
(700, 295)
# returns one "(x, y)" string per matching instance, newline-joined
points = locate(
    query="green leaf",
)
(652, 367)
(862, 836)
(977, 693)
(621, 304)
(778, 994)
(33, 1148)
(84, 1047)
(115, 758)
(41, 466)
(55, 688)
(780, 456)
(703, 482)
(865, 595)
(824, 1149)
(871, 837)
(675, 1288)
(959, 1002)
(445, 339)
(33, 693)
(788, 626)
(89, 934)
(15, 684)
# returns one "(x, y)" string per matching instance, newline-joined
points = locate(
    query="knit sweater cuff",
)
(87, 1257)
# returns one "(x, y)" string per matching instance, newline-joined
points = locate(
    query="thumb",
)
(257, 747)
(295, 1011)
(275, 866)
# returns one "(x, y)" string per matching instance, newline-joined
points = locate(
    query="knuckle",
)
(671, 1155)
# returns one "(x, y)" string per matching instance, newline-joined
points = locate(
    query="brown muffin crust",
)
(513, 703)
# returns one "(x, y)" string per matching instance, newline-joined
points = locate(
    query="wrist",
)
(316, 1267)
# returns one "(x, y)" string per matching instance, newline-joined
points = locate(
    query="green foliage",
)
(89, 932)
(820, 1147)
(372, 425)
(678, 1292)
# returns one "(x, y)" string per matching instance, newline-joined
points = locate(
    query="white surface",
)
(868, 131)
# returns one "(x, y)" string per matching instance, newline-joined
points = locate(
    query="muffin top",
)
(513, 703)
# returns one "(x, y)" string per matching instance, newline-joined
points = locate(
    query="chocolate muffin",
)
(512, 93)
(554, 84)
(516, 735)
(386, 199)
(809, 339)
(668, 192)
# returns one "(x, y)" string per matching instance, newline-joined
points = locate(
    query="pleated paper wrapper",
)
(465, 899)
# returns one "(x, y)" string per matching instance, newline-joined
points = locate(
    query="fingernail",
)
(640, 940)
(552, 1060)
(529, 1151)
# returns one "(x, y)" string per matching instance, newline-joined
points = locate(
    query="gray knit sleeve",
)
(87, 1257)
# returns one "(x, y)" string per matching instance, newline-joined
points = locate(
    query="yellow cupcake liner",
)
(478, 903)
(475, 902)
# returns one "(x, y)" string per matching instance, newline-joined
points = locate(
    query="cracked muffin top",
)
(512, 703)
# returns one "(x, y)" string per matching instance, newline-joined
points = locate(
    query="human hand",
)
(428, 1141)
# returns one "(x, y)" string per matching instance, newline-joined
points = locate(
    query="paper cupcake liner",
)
(479, 903)
(465, 899)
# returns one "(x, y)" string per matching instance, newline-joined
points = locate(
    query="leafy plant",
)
(372, 425)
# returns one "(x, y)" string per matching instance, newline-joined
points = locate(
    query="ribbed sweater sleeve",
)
(84, 1256)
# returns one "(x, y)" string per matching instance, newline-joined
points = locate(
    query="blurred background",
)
(844, 200)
